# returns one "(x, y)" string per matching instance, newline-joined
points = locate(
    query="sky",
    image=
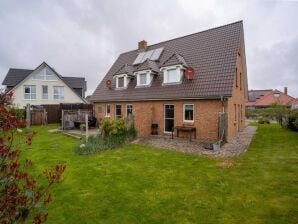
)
(84, 38)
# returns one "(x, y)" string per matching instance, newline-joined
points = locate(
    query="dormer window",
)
(144, 78)
(122, 81)
(172, 74)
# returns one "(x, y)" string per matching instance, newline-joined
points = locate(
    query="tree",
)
(20, 195)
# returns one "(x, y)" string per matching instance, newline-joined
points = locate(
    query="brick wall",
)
(235, 106)
(146, 112)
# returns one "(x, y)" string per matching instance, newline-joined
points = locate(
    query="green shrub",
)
(292, 121)
(113, 133)
(18, 113)
(263, 120)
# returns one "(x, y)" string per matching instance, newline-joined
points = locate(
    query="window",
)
(172, 75)
(45, 92)
(45, 74)
(129, 110)
(143, 79)
(118, 111)
(240, 80)
(188, 112)
(108, 110)
(58, 92)
(236, 78)
(120, 82)
(99, 109)
(235, 112)
(29, 92)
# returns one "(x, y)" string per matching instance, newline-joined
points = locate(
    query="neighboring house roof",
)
(272, 96)
(15, 76)
(76, 82)
(253, 95)
(212, 54)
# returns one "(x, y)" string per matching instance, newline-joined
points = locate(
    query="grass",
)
(139, 184)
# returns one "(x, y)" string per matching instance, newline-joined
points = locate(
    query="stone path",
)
(236, 147)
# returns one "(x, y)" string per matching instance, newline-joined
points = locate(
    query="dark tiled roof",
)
(212, 54)
(76, 82)
(128, 69)
(148, 64)
(175, 59)
(15, 76)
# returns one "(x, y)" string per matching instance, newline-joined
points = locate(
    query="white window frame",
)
(125, 81)
(149, 77)
(58, 94)
(193, 112)
(30, 94)
(43, 72)
(42, 94)
(118, 116)
(164, 118)
(179, 74)
(127, 108)
(106, 112)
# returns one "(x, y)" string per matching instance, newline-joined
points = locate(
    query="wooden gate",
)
(38, 116)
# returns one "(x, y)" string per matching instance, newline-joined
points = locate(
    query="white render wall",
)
(18, 92)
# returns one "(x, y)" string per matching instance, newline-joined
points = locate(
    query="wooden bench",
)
(185, 129)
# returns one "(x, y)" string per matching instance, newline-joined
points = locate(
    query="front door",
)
(168, 117)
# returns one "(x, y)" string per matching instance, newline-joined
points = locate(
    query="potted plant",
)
(216, 145)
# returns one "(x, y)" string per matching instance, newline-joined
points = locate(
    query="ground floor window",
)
(29, 92)
(129, 110)
(188, 112)
(118, 111)
(169, 117)
(108, 110)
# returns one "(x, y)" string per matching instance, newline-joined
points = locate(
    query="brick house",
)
(187, 81)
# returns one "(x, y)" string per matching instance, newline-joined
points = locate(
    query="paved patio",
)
(236, 147)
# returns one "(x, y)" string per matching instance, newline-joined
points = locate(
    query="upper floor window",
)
(58, 92)
(121, 81)
(29, 92)
(172, 75)
(143, 79)
(45, 92)
(188, 112)
(46, 75)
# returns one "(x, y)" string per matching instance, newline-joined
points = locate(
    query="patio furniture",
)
(191, 130)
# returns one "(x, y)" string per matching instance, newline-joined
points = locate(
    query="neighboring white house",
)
(43, 85)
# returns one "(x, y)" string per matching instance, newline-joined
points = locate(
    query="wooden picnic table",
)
(186, 129)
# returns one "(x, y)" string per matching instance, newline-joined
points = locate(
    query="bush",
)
(263, 120)
(292, 121)
(18, 113)
(113, 133)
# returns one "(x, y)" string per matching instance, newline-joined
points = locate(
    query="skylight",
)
(152, 55)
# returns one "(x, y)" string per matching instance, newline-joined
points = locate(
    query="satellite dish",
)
(189, 73)
(109, 84)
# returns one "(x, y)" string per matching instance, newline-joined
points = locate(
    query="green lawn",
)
(139, 184)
